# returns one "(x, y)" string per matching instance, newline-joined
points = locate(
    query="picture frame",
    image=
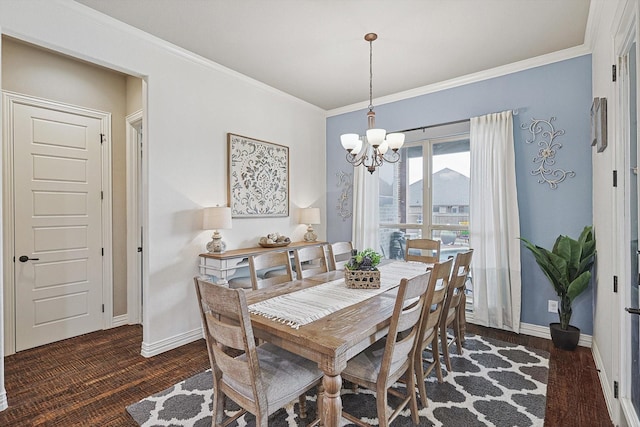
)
(258, 177)
(599, 124)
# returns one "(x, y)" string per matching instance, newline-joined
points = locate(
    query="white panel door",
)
(58, 233)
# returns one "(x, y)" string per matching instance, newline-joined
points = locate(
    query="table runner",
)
(307, 305)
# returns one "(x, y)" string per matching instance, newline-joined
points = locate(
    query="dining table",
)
(333, 337)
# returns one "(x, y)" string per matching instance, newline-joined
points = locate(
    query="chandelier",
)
(358, 152)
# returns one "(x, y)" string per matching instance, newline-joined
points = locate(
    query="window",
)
(426, 194)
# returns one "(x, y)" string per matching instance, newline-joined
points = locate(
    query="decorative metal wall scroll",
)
(345, 205)
(258, 177)
(547, 153)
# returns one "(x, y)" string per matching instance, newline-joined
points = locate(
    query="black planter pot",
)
(564, 339)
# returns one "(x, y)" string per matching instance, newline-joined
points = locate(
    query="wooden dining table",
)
(331, 340)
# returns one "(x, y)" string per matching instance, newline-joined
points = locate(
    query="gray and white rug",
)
(493, 383)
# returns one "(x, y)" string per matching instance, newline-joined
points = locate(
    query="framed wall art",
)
(258, 177)
(599, 124)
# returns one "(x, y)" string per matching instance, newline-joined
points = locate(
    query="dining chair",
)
(310, 260)
(270, 260)
(339, 255)
(454, 305)
(429, 327)
(260, 379)
(378, 370)
(422, 250)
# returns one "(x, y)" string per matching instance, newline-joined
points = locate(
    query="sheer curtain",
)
(365, 209)
(494, 224)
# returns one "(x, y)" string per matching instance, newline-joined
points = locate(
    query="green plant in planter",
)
(367, 259)
(567, 266)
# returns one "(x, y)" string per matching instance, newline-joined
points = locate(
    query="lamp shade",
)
(309, 216)
(216, 218)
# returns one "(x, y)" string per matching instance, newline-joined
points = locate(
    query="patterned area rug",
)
(493, 383)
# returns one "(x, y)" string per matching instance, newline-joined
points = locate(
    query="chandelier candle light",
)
(310, 216)
(216, 218)
(378, 139)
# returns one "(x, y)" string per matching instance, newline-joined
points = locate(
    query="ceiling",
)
(315, 49)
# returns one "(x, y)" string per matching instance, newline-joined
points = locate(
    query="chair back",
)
(310, 260)
(228, 332)
(339, 255)
(268, 260)
(457, 282)
(404, 329)
(423, 250)
(438, 286)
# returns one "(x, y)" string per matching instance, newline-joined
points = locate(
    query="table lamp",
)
(216, 218)
(310, 216)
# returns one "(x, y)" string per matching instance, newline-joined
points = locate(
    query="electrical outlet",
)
(553, 306)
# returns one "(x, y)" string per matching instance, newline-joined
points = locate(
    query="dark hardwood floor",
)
(89, 380)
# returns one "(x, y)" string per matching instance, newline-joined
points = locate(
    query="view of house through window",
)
(426, 195)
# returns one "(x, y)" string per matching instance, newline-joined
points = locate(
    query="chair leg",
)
(462, 317)
(302, 402)
(457, 334)
(381, 404)
(411, 389)
(445, 346)
(319, 404)
(218, 409)
(419, 369)
(436, 357)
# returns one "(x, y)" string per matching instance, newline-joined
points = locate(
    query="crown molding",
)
(503, 70)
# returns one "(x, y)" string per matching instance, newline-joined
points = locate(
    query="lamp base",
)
(310, 236)
(216, 245)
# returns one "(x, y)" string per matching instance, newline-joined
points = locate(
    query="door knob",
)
(633, 310)
(25, 258)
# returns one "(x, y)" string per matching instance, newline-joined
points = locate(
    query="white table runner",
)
(306, 305)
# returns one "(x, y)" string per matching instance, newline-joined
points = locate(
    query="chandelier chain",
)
(370, 75)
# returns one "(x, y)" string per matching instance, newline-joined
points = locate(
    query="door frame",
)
(626, 34)
(9, 100)
(134, 222)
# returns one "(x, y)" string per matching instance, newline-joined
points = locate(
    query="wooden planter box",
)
(362, 279)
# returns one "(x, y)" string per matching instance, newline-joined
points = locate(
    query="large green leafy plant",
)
(367, 259)
(568, 267)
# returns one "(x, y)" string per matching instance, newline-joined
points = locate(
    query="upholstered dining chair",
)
(428, 251)
(378, 370)
(453, 311)
(339, 255)
(310, 260)
(429, 327)
(270, 260)
(260, 379)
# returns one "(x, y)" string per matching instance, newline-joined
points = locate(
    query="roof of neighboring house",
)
(450, 188)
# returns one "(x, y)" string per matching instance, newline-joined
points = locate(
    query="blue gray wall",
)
(561, 90)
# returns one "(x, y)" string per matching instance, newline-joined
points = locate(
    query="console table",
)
(221, 266)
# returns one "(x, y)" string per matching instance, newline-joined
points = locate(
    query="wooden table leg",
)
(332, 402)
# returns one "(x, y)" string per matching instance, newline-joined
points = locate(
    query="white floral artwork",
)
(258, 177)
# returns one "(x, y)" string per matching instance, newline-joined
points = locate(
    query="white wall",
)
(607, 212)
(191, 104)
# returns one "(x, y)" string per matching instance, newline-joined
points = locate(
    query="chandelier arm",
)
(395, 156)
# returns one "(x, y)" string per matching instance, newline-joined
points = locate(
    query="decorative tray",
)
(274, 245)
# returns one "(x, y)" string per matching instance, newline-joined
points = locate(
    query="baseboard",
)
(609, 399)
(153, 349)
(120, 320)
(541, 332)
(4, 404)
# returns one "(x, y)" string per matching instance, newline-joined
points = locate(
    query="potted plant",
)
(361, 271)
(568, 268)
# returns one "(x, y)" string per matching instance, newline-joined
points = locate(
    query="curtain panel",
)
(494, 225)
(365, 209)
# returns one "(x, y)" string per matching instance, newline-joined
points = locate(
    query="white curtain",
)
(365, 209)
(494, 225)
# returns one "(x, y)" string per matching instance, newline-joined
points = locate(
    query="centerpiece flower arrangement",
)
(365, 260)
(361, 272)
